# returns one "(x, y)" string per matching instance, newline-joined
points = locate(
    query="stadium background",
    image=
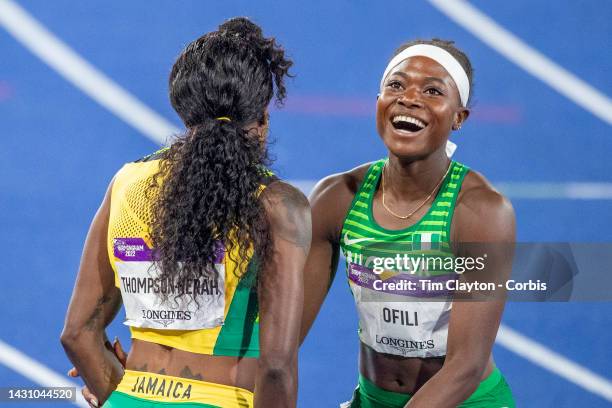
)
(547, 151)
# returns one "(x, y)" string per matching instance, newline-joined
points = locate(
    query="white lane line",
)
(46, 46)
(527, 190)
(565, 190)
(38, 373)
(526, 57)
(554, 362)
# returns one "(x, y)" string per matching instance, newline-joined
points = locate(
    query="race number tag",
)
(408, 323)
(142, 291)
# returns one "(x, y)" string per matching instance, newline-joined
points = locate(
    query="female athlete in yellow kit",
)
(202, 244)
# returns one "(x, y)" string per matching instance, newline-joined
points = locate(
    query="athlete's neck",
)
(407, 179)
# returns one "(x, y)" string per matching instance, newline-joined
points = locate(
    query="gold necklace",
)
(418, 207)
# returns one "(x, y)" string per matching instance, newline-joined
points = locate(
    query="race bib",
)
(398, 318)
(142, 291)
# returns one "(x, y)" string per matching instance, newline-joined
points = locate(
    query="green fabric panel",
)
(359, 222)
(493, 391)
(239, 335)
(120, 400)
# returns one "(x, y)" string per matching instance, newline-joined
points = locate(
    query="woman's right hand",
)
(121, 355)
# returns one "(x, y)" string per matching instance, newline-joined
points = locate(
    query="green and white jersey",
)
(398, 277)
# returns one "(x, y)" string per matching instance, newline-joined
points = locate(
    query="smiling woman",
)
(417, 202)
(442, 81)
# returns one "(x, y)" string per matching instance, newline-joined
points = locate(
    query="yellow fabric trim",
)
(114, 210)
(166, 388)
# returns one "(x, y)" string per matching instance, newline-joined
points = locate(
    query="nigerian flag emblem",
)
(425, 241)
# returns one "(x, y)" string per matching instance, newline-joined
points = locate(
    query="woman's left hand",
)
(121, 355)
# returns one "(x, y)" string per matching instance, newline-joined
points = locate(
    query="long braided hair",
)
(209, 178)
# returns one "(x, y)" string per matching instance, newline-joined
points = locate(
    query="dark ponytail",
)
(209, 179)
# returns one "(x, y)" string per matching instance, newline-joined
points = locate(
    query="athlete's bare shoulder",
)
(482, 213)
(282, 197)
(339, 184)
(288, 212)
(331, 198)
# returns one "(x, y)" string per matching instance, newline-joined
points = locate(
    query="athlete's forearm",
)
(319, 273)
(97, 365)
(86, 344)
(452, 385)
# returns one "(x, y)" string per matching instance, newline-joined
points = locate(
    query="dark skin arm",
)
(95, 302)
(330, 200)
(281, 295)
(473, 324)
(117, 349)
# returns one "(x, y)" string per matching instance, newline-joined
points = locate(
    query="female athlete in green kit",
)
(412, 352)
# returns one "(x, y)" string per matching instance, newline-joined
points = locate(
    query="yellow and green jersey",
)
(225, 319)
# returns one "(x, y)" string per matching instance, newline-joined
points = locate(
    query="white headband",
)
(442, 57)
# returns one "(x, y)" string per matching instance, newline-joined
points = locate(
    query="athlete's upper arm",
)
(483, 223)
(483, 215)
(329, 201)
(95, 298)
(281, 290)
